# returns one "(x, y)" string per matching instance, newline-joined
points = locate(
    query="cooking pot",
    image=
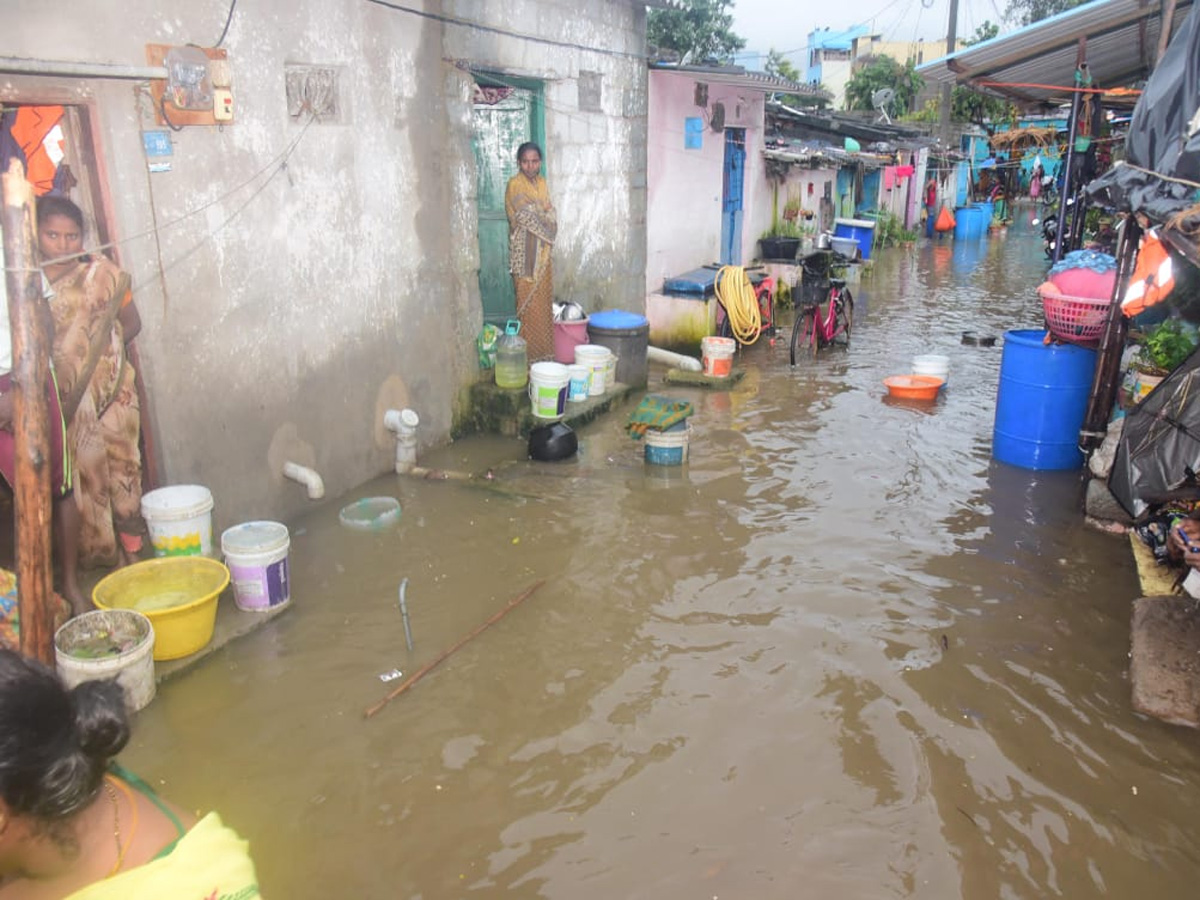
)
(553, 442)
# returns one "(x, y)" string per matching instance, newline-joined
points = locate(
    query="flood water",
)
(840, 654)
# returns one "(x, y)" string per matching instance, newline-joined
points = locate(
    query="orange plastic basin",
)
(914, 387)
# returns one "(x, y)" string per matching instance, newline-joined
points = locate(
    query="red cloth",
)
(904, 171)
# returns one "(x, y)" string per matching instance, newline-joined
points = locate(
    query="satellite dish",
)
(880, 100)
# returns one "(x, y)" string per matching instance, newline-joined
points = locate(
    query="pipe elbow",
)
(307, 477)
(401, 421)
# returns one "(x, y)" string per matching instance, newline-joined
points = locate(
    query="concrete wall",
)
(685, 186)
(285, 309)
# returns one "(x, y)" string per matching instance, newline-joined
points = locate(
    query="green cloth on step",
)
(657, 412)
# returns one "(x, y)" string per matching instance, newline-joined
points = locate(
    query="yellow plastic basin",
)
(178, 594)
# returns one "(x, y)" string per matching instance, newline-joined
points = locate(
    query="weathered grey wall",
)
(285, 309)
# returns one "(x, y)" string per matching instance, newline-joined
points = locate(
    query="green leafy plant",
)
(786, 228)
(1165, 346)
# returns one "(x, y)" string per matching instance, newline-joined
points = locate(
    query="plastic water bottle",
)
(512, 362)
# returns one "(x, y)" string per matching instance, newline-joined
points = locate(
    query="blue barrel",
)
(1041, 402)
(861, 230)
(968, 222)
(987, 213)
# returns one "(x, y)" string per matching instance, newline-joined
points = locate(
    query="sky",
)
(785, 25)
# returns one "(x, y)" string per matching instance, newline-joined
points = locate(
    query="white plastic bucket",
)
(179, 519)
(932, 364)
(577, 388)
(610, 369)
(89, 636)
(716, 356)
(256, 554)
(667, 448)
(548, 389)
(595, 358)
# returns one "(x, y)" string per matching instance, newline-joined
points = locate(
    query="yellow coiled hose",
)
(736, 294)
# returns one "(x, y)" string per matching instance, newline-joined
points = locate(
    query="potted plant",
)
(781, 240)
(1161, 349)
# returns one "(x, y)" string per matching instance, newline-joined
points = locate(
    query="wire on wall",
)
(228, 19)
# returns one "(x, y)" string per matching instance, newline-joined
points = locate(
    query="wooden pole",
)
(440, 658)
(1164, 30)
(28, 321)
(1105, 380)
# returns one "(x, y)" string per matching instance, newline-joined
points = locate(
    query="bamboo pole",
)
(441, 657)
(27, 318)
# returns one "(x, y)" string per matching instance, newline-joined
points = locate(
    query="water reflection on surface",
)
(841, 654)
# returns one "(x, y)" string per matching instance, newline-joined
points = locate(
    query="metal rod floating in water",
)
(404, 615)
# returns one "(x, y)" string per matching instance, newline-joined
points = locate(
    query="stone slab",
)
(1157, 580)
(231, 624)
(699, 379)
(1164, 665)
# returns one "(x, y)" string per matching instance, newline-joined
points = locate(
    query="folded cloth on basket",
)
(658, 412)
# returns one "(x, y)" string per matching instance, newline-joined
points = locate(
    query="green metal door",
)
(499, 128)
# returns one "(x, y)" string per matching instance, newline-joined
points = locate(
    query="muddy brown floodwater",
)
(842, 653)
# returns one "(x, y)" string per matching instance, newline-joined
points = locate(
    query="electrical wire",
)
(735, 292)
(228, 19)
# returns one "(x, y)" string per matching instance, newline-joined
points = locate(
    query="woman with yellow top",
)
(532, 227)
(73, 825)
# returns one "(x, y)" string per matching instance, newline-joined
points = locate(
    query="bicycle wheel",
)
(802, 331)
(845, 318)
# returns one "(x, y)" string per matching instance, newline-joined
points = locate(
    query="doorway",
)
(732, 196)
(505, 113)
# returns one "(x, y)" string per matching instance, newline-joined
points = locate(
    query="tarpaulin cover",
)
(1160, 445)
(1164, 135)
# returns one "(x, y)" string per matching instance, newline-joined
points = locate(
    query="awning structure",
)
(736, 76)
(1036, 64)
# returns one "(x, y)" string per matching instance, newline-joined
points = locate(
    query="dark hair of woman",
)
(51, 205)
(55, 743)
(528, 145)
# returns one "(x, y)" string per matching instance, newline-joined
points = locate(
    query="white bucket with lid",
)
(932, 364)
(548, 389)
(105, 644)
(577, 388)
(595, 358)
(179, 518)
(256, 554)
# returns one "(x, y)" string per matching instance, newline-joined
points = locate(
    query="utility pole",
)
(948, 88)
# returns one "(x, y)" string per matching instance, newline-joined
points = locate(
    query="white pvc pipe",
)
(81, 69)
(678, 360)
(403, 424)
(307, 477)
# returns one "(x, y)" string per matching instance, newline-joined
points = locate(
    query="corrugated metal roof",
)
(739, 77)
(1122, 44)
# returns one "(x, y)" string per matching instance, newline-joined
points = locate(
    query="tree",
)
(969, 105)
(781, 67)
(884, 72)
(1026, 12)
(703, 28)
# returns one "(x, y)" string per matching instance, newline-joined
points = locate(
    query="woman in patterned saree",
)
(93, 318)
(531, 230)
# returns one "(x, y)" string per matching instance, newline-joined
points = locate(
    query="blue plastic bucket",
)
(1041, 402)
(968, 223)
(861, 230)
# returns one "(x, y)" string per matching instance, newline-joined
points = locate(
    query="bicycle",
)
(814, 329)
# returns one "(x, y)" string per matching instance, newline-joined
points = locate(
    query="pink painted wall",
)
(683, 209)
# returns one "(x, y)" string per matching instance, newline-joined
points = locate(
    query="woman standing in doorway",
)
(94, 317)
(532, 227)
